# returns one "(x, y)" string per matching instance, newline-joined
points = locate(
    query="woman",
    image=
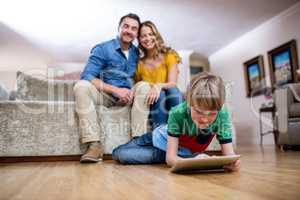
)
(158, 66)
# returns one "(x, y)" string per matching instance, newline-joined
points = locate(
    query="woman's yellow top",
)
(159, 73)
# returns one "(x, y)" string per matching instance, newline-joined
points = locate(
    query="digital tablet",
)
(209, 163)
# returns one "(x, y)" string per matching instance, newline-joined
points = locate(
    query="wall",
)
(17, 53)
(228, 62)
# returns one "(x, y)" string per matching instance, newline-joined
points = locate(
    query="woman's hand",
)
(153, 94)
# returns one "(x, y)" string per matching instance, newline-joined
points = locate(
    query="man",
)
(106, 80)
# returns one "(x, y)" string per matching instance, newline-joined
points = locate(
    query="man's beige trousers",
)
(87, 96)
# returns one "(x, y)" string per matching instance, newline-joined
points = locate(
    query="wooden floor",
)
(265, 174)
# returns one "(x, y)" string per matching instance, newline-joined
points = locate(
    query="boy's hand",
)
(233, 167)
(202, 155)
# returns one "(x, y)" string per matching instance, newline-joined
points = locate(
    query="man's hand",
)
(233, 167)
(125, 96)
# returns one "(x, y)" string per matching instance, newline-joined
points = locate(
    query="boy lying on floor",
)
(190, 129)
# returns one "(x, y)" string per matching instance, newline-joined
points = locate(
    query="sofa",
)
(287, 100)
(42, 121)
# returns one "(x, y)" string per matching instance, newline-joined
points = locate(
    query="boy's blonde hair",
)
(206, 91)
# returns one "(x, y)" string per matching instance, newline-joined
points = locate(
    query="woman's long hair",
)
(160, 47)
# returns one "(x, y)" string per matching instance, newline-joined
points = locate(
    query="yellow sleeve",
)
(172, 58)
(137, 75)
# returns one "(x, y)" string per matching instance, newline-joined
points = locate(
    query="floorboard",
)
(265, 174)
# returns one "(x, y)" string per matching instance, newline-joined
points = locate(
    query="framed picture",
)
(283, 64)
(254, 75)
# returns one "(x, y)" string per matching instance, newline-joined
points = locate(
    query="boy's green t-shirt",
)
(180, 123)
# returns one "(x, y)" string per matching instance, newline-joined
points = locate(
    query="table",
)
(271, 110)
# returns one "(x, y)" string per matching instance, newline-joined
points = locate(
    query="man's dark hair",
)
(132, 16)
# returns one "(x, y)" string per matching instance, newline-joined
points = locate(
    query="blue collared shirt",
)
(108, 63)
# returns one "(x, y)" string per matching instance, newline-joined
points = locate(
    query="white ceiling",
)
(67, 29)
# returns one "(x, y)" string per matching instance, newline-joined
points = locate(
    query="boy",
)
(190, 129)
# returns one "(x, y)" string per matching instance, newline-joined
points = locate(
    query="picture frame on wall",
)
(283, 64)
(254, 75)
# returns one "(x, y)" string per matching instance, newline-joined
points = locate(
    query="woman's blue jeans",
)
(139, 150)
(159, 110)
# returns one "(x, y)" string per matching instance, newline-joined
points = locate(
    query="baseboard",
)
(17, 159)
(45, 158)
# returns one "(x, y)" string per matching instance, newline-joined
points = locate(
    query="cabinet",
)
(192, 63)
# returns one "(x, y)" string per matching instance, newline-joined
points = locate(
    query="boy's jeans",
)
(139, 150)
(149, 148)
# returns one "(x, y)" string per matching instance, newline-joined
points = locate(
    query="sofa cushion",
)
(4, 95)
(37, 89)
(40, 128)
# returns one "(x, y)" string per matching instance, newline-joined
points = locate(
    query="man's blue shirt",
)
(108, 63)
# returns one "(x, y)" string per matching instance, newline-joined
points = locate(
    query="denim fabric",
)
(159, 110)
(139, 150)
(159, 139)
(108, 63)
